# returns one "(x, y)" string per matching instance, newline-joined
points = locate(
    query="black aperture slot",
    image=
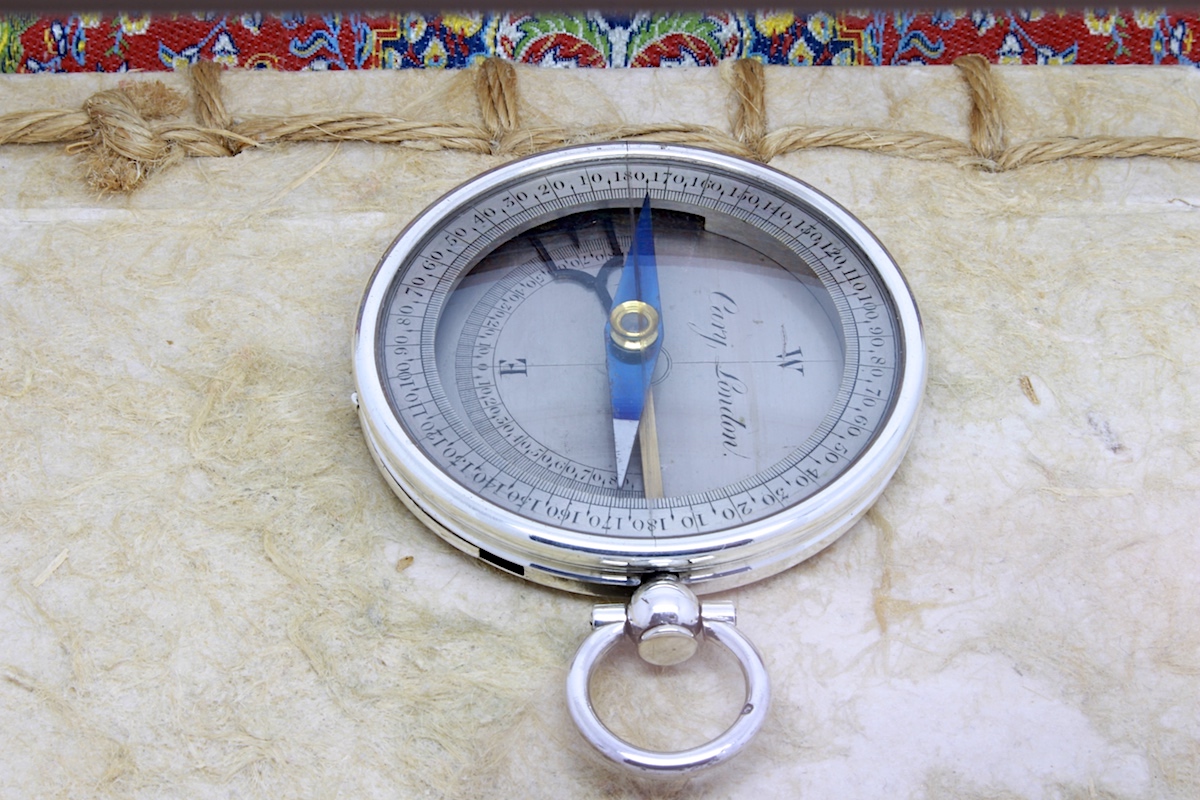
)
(504, 564)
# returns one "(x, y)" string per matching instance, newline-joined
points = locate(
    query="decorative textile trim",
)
(91, 42)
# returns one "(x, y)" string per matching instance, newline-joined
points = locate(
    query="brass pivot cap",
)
(634, 325)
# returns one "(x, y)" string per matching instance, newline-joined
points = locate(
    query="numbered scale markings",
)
(780, 369)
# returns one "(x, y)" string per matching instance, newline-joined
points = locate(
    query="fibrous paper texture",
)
(209, 591)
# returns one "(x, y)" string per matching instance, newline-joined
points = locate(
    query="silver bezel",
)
(610, 565)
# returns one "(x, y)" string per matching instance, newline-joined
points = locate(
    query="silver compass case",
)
(491, 256)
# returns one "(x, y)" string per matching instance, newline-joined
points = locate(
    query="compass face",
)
(781, 367)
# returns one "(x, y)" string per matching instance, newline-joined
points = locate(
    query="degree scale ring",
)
(741, 532)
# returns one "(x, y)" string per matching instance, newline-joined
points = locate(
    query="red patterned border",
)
(87, 43)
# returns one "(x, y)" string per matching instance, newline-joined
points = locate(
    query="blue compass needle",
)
(634, 336)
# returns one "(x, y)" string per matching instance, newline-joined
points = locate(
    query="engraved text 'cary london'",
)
(729, 387)
(717, 333)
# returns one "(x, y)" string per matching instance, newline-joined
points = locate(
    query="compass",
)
(642, 371)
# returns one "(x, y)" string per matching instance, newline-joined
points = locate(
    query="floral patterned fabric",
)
(83, 42)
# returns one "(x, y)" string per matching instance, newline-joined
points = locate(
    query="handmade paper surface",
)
(245, 608)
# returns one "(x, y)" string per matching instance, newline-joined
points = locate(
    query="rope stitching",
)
(128, 133)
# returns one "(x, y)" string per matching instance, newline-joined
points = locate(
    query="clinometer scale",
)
(641, 371)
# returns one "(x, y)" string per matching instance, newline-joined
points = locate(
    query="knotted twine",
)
(127, 134)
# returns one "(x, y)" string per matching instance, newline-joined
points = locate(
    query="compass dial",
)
(773, 350)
